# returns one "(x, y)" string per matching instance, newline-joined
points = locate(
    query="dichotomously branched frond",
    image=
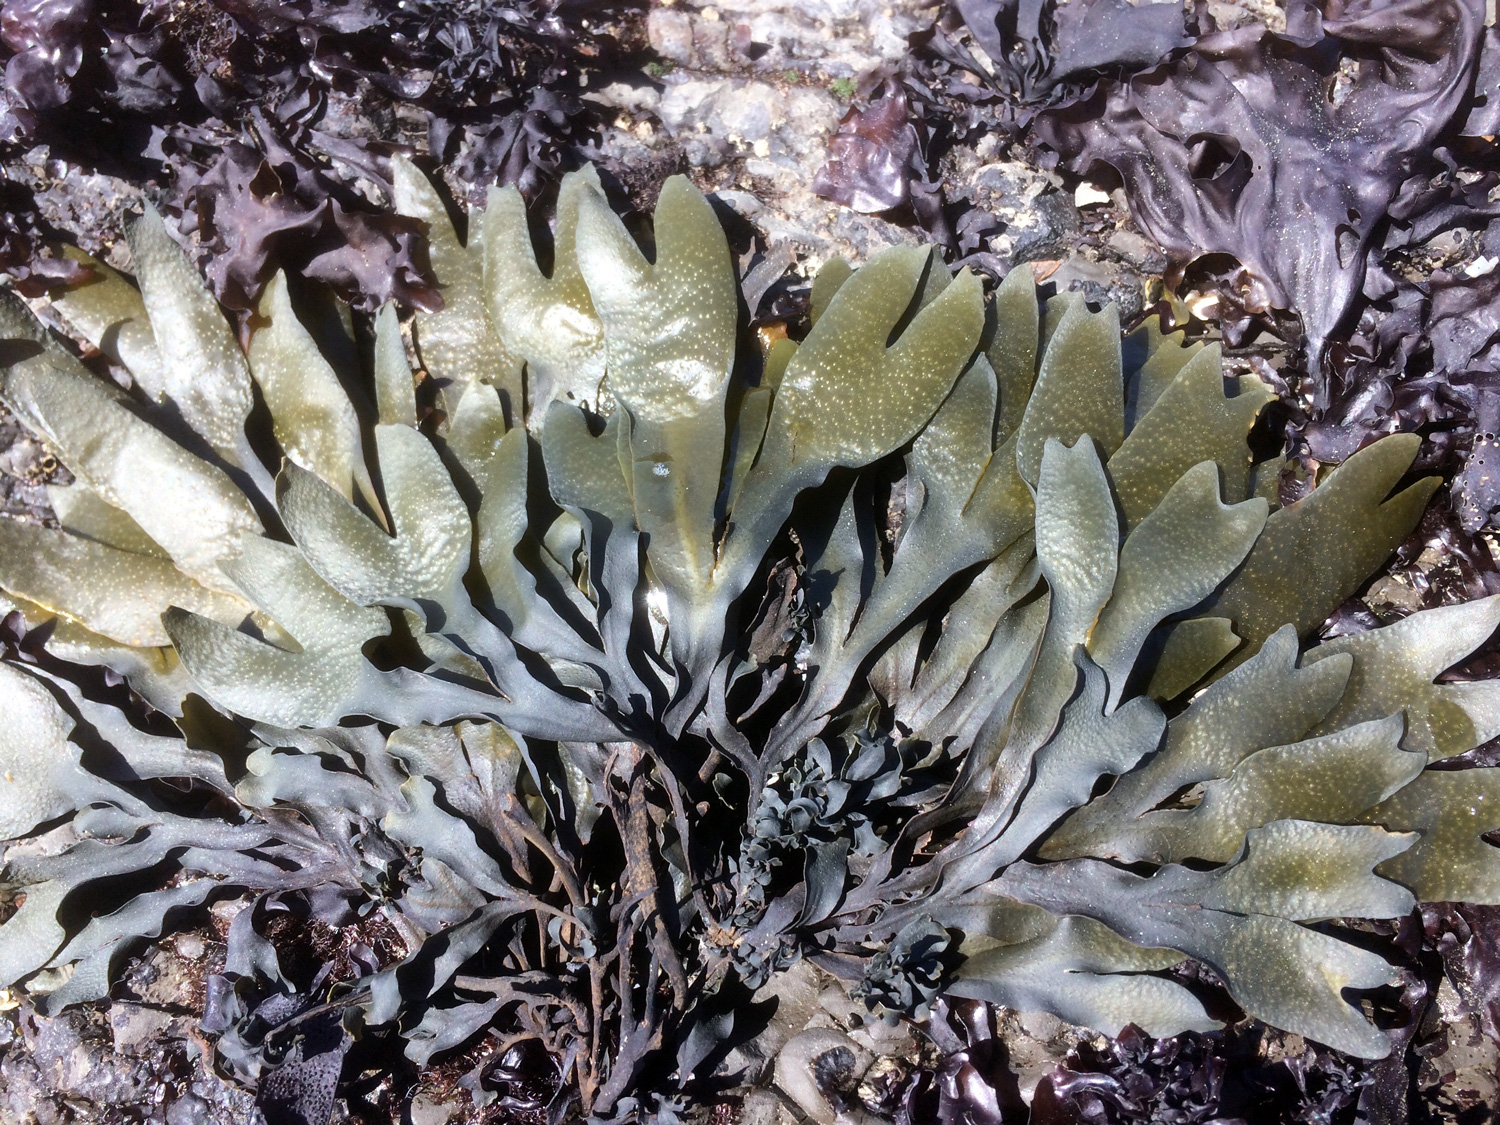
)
(946, 646)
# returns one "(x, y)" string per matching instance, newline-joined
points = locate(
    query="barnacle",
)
(958, 646)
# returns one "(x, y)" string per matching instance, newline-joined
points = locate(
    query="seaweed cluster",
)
(615, 665)
(269, 126)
